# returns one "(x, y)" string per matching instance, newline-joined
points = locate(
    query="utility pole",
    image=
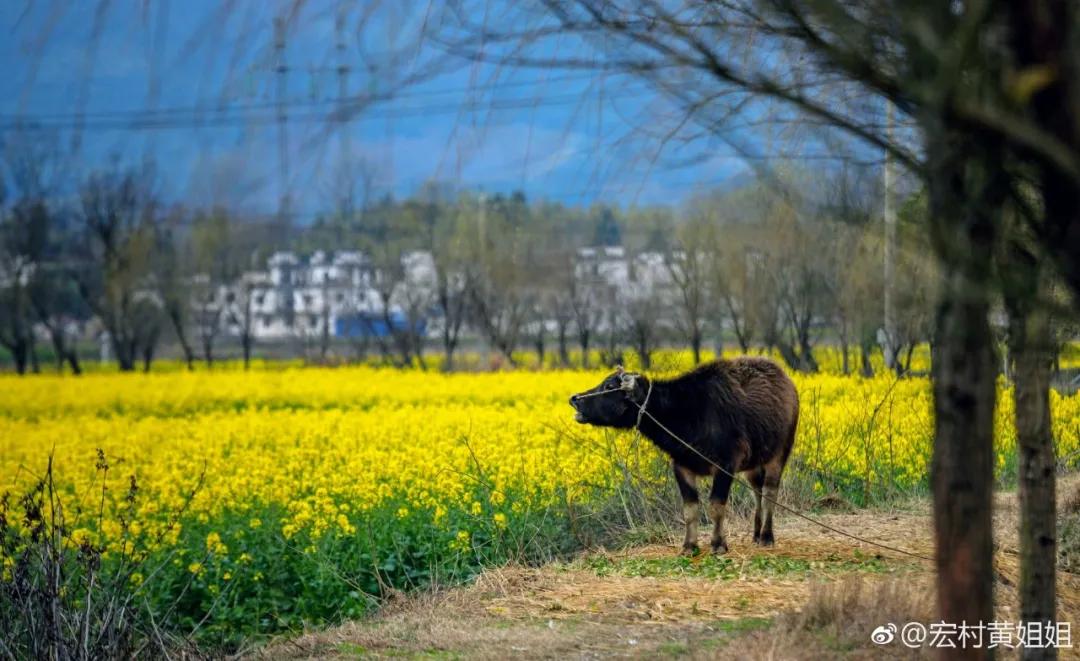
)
(345, 165)
(281, 71)
(889, 348)
(343, 85)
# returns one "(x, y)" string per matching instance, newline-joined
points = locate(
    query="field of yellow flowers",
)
(284, 496)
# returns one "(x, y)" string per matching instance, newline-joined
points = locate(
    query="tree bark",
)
(965, 199)
(1031, 348)
(964, 371)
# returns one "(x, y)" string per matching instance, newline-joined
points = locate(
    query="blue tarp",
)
(361, 325)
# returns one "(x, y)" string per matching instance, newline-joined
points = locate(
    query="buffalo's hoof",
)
(765, 540)
(719, 548)
(690, 550)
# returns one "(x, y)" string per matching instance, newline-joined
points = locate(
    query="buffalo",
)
(722, 418)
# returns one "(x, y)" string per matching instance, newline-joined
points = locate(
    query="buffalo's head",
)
(613, 403)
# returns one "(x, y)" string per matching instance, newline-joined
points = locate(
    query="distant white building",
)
(645, 273)
(300, 296)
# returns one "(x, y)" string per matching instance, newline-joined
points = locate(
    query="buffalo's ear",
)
(619, 371)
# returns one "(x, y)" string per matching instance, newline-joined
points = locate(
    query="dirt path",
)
(814, 595)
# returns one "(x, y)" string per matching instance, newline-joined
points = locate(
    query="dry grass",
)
(1070, 506)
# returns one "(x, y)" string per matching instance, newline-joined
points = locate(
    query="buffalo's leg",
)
(687, 482)
(718, 498)
(757, 481)
(770, 492)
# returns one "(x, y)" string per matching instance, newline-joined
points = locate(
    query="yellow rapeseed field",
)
(329, 444)
(238, 469)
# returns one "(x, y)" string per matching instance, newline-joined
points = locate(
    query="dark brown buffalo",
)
(739, 415)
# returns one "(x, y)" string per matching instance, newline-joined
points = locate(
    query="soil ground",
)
(814, 595)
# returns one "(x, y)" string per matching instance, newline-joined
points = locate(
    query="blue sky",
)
(560, 135)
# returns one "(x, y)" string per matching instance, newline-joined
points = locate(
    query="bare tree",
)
(35, 279)
(499, 299)
(499, 310)
(215, 272)
(59, 309)
(415, 297)
(688, 268)
(586, 294)
(241, 312)
(857, 287)
(442, 233)
(174, 285)
(117, 214)
(797, 262)
(642, 323)
(730, 275)
(21, 245)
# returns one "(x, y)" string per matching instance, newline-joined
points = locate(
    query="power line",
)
(151, 120)
(329, 103)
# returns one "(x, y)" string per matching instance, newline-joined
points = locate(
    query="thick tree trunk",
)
(245, 343)
(965, 197)
(962, 472)
(1031, 349)
(695, 346)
